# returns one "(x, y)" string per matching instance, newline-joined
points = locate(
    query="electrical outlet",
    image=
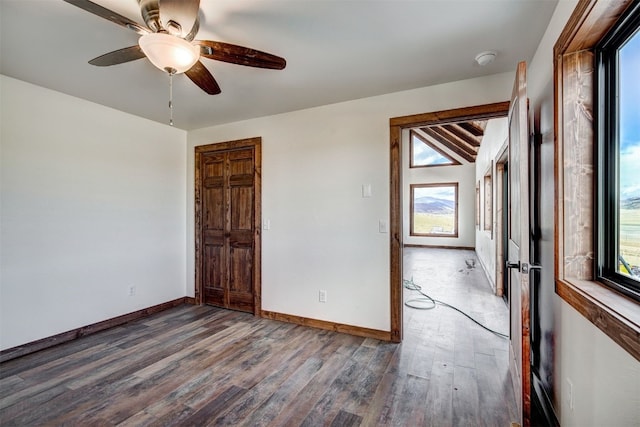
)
(132, 290)
(322, 296)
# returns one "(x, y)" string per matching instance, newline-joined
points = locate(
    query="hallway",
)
(466, 366)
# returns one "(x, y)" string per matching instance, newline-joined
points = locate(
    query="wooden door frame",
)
(396, 125)
(499, 232)
(256, 144)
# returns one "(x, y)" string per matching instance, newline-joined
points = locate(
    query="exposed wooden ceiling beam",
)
(462, 134)
(476, 128)
(454, 140)
(431, 131)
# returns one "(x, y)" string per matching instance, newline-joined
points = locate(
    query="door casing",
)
(256, 143)
(396, 125)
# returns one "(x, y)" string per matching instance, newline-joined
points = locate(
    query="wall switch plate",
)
(570, 394)
(382, 226)
(266, 225)
(132, 290)
(366, 190)
(322, 296)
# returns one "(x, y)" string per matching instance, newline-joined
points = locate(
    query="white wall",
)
(92, 201)
(323, 234)
(463, 174)
(495, 136)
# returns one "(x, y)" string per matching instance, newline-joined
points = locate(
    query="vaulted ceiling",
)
(336, 50)
(462, 138)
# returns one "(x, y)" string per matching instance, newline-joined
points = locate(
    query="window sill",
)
(613, 313)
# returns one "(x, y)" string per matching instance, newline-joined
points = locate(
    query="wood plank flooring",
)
(200, 365)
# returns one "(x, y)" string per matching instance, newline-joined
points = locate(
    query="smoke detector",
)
(486, 58)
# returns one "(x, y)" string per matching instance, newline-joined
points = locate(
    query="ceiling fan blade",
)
(118, 56)
(182, 12)
(109, 15)
(240, 55)
(203, 78)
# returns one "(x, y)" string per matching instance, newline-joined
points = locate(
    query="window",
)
(434, 210)
(577, 280)
(488, 199)
(618, 143)
(478, 205)
(424, 154)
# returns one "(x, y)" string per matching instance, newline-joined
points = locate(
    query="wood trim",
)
(41, 344)
(464, 114)
(613, 313)
(329, 326)
(396, 124)
(190, 300)
(589, 23)
(395, 229)
(412, 232)
(412, 134)
(453, 147)
(256, 143)
(500, 250)
(488, 185)
(574, 88)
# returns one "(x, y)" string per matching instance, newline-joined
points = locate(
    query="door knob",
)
(526, 268)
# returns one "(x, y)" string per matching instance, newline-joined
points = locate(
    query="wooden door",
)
(518, 244)
(228, 225)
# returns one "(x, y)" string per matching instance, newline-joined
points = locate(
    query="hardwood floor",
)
(200, 365)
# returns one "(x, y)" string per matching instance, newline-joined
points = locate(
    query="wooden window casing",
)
(488, 200)
(413, 231)
(412, 161)
(615, 314)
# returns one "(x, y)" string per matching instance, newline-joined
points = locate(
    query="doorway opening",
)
(502, 224)
(396, 127)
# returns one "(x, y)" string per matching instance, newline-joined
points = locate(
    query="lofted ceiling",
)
(336, 50)
(461, 138)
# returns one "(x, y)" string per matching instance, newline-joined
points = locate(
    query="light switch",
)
(266, 224)
(382, 226)
(366, 190)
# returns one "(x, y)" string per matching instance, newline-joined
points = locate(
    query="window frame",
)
(608, 146)
(412, 165)
(488, 200)
(412, 187)
(614, 313)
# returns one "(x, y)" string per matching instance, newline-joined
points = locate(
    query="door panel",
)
(518, 247)
(229, 224)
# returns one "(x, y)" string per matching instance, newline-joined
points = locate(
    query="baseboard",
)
(492, 283)
(190, 300)
(41, 344)
(466, 248)
(330, 326)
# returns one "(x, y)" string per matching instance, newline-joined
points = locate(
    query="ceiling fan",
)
(168, 42)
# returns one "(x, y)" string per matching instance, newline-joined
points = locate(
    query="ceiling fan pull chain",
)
(171, 99)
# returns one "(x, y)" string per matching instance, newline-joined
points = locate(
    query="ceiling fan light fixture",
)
(169, 53)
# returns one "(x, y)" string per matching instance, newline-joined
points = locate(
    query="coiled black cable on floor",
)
(418, 304)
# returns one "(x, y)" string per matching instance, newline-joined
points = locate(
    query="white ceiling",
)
(336, 50)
